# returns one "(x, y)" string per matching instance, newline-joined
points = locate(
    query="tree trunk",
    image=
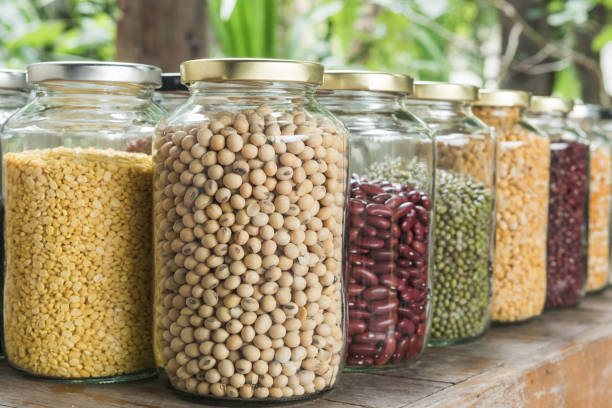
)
(161, 32)
(537, 84)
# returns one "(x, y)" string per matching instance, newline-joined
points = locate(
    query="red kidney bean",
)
(355, 290)
(386, 352)
(361, 260)
(376, 293)
(356, 207)
(395, 202)
(382, 323)
(356, 326)
(359, 314)
(420, 330)
(363, 275)
(403, 210)
(387, 254)
(363, 349)
(370, 337)
(379, 210)
(406, 326)
(385, 307)
(370, 243)
(389, 280)
(359, 361)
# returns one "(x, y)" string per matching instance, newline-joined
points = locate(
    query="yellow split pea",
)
(600, 188)
(523, 160)
(78, 254)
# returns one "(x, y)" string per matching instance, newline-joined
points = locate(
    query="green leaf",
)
(220, 27)
(601, 39)
(42, 36)
(567, 83)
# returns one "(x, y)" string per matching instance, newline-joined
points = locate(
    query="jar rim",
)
(583, 110)
(376, 81)
(541, 104)
(503, 98)
(13, 79)
(251, 69)
(444, 91)
(95, 72)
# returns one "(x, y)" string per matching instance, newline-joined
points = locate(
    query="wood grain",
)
(562, 359)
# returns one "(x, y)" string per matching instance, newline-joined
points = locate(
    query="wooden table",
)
(562, 359)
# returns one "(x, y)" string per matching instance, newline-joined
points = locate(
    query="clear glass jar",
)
(13, 95)
(172, 93)
(521, 210)
(463, 228)
(586, 117)
(568, 201)
(389, 217)
(77, 226)
(249, 191)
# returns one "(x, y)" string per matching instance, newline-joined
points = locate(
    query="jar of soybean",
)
(249, 191)
(77, 296)
(462, 236)
(521, 213)
(13, 95)
(568, 201)
(388, 215)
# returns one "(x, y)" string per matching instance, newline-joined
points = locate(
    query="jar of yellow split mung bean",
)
(249, 191)
(13, 95)
(77, 226)
(586, 116)
(521, 211)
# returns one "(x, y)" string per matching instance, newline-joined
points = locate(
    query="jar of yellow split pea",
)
(521, 211)
(77, 223)
(586, 116)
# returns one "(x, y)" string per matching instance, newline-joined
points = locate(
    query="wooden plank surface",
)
(562, 359)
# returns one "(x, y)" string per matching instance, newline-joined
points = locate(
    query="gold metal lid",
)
(251, 69)
(367, 81)
(550, 104)
(444, 91)
(503, 97)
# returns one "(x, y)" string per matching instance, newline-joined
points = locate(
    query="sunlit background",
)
(543, 46)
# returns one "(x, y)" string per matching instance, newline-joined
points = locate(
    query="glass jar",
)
(600, 189)
(462, 235)
(391, 185)
(249, 191)
(172, 93)
(521, 210)
(568, 201)
(13, 95)
(77, 227)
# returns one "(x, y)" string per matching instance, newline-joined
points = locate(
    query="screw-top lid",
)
(503, 98)
(444, 91)
(585, 111)
(12, 79)
(172, 82)
(550, 104)
(251, 69)
(94, 71)
(367, 81)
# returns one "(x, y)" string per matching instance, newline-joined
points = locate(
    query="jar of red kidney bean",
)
(388, 219)
(568, 201)
(465, 164)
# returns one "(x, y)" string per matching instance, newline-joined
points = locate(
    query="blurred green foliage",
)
(40, 30)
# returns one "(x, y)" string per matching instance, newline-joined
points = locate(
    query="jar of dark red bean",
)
(568, 201)
(388, 218)
(465, 163)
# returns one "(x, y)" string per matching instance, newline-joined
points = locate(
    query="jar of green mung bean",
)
(463, 210)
